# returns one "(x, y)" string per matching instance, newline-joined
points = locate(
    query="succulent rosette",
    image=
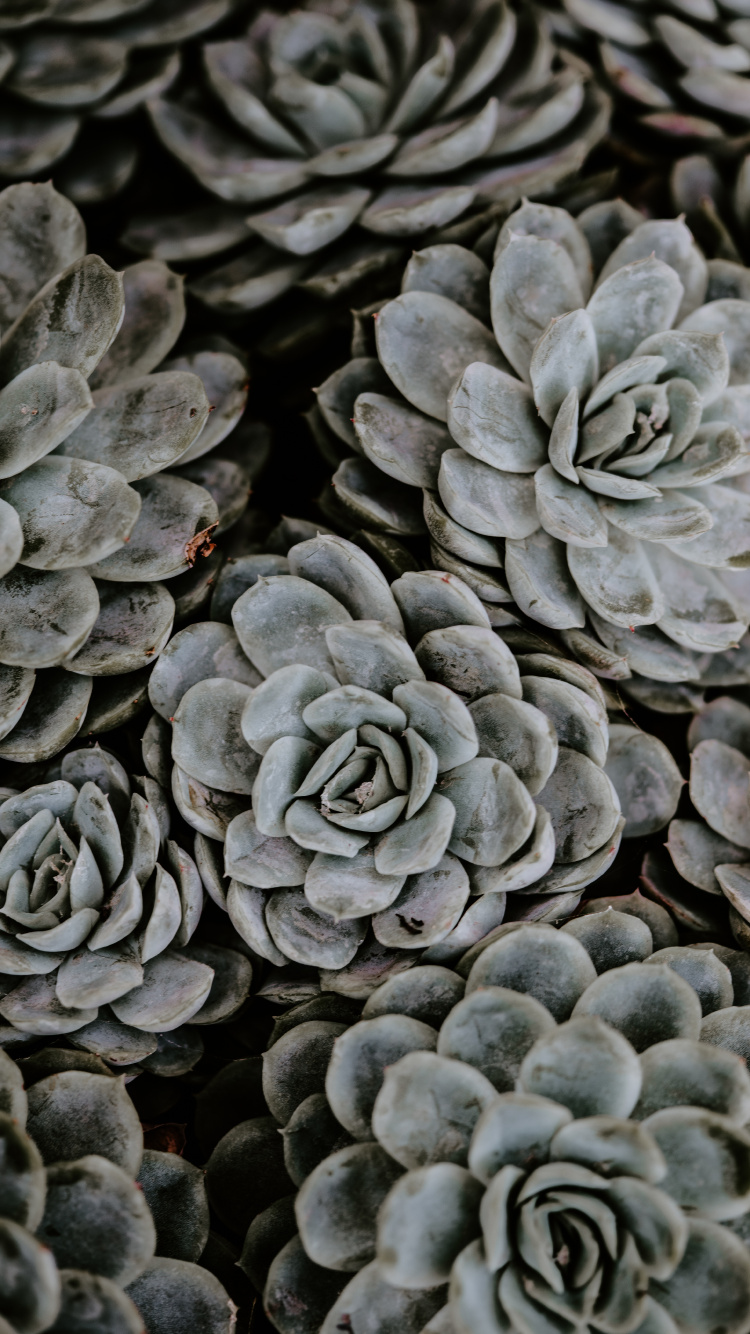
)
(376, 122)
(550, 1136)
(365, 782)
(581, 464)
(99, 909)
(710, 850)
(73, 71)
(680, 77)
(105, 493)
(87, 1242)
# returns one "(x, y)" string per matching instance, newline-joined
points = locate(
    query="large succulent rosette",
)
(365, 783)
(379, 122)
(679, 73)
(71, 74)
(99, 909)
(582, 464)
(105, 494)
(96, 1234)
(550, 1137)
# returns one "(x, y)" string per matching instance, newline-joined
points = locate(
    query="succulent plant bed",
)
(374, 855)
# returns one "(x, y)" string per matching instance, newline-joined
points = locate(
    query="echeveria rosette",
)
(99, 909)
(392, 762)
(95, 1232)
(583, 466)
(105, 495)
(376, 122)
(73, 71)
(551, 1136)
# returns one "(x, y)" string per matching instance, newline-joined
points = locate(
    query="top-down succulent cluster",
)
(583, 463)
(384, 969)
(102, 444)
(71, 71)
(552, 1136)
(372, 756)
(377, 122)
(97, 1236)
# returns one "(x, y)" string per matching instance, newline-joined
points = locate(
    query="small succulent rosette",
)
(551, 1137)
(99, 909)
(392, 761)
(74, 71)
(679, 78)
(582, 464)
(106, 498)
(96, 1234)
(336, 132)
(711, 853)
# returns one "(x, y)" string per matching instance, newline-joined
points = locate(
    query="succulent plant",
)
(582, 464)
(379, 122)
(76, 1229)
(99, 909)
(392, 760)
(679, 78)
(91, 524)
(73, 71)
(550, 1136)
(712, 853)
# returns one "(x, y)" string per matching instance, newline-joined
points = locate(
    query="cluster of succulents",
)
(374, 879)
(99, 910)
(72, 71)
(90, 1235)
(582, 463)
(339, 131)
(550, 1135)
(105, 493)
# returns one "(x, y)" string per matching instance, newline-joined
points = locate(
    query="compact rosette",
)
(585, 464)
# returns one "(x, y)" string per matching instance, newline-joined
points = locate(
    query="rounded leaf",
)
(587, 1066)
(427, 1107)
(359, 1061)
(96, 1216)
(647, 1003)
(537, 961)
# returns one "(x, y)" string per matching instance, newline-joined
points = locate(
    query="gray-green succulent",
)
(679, 76)
(73, 71)
(373, 756)
(584, 463)
(79, 1235)
(551, 1137)
(381, 122)
(101, 465)
(713, 853)
(98, 909)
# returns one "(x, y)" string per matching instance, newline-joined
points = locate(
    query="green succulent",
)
(373, 756)
(91, 521)
(79, 1236)
(379, 122)
(73, 71)
(99, 909)
(582, 464)
(551, 1136)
